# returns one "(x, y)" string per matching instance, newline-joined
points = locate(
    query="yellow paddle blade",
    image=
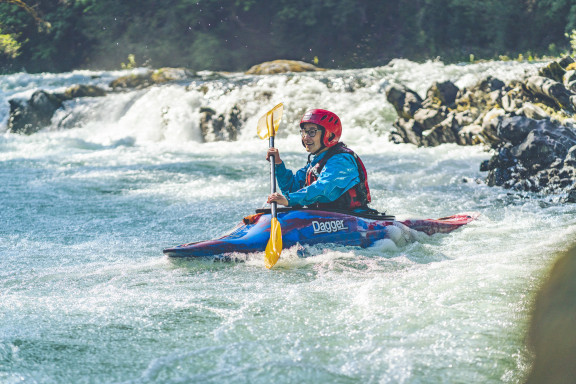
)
(274, 247)
(269, 123)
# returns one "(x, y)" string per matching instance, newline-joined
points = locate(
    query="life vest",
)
(357, 196)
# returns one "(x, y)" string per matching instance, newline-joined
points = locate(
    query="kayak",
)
(304, 226)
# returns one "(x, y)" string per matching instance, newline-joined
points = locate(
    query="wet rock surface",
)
(552, 335)
(528, 125)
(219, 127)
(151, 77)
(282, 66)
(29, 116)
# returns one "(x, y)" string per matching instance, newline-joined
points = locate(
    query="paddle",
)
(267, 128)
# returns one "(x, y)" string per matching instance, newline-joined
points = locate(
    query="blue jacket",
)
(338, 175)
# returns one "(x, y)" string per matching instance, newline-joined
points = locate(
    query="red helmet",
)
(327, 120)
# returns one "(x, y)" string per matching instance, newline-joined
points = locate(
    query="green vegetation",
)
(61, 35)
(9, 47)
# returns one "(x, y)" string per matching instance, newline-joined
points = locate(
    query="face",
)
(312, 144)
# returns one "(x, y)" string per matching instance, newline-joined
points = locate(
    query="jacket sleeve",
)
(288, 181)
(338, 175)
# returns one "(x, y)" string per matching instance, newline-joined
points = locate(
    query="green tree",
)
(235, 34)
(57, 48)
(9, 44)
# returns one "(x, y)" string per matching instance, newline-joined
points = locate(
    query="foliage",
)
(235, 34)
(9, 46)
(131, 62)
(572, 37)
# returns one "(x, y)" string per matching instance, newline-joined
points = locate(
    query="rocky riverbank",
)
(31, 115)
(552, 336)
(527, 124)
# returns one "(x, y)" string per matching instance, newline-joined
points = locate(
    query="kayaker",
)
(334, 176)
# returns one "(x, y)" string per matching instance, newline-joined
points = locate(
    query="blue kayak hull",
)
(311, 226)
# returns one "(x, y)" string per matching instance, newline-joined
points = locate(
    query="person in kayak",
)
(334, 176)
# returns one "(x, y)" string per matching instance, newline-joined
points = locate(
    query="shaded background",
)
(232, 35)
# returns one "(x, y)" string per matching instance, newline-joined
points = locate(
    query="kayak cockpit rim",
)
(371, 214)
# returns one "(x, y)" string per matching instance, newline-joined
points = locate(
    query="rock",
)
(515, 129)
(164, 75)
(490, 132)
(484, 96)
(536, 151)
(553, 71)
(565, 62)
(76, 91)
(494, 113)
(490, 84)
(219, 128)
(441, 94)
(405, 101)
(148, 78)
(569, 77)
(445, 132)
(533, 150)
(571, 198)
(282, 66)
(409, 130)
(552, 335)
(464, 118)
(571, 86)
(28, 117)
(471, 135)
(570, 158)
(428, 118)
(133, 81)
(532, 111)
(527, 122)
(550, 90)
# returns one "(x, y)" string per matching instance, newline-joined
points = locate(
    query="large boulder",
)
(534, 156)
(444, 132)
(407, 131)
(552, 335)
(282, 66)
(132, 81)
(528, 122)
(220, 127)
(405, 101)
(164, 75)
(150, 77)
(441, 94)
(82, 90)
(552, 91)
(553, 71)
(29, 116)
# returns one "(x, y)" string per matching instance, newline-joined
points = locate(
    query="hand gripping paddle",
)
(267, 128)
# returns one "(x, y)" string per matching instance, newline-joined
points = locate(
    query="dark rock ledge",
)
(527, 124)
(552, 336)
(29, 116)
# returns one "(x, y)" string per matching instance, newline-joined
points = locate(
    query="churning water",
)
(88, 204)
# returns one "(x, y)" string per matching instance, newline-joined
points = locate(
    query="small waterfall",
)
(212, 107)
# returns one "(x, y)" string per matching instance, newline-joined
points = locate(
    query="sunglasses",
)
(309, 132)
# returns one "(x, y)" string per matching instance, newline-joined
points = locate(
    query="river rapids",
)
(89, 202)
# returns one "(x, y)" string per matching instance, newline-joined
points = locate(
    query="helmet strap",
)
(318, 151)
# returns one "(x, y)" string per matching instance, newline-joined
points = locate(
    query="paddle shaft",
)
(272, 177)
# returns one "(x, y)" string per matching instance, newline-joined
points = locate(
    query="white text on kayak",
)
(328, 226)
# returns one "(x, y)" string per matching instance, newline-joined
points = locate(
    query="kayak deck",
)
(312, 226)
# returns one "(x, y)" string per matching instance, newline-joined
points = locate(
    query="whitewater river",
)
(88, 204)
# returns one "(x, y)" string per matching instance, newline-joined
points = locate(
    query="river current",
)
(88, 204)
